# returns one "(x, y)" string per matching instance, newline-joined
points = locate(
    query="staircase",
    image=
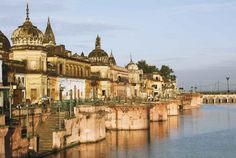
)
(46, 129)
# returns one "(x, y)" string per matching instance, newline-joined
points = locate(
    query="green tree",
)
(167, 73)
(146, 67)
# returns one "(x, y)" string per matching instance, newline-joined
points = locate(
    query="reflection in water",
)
(201, 131)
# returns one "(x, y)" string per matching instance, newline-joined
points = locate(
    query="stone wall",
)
(127, 117)
(87, 126)
(2, 120)
(158, 112)
(196, 100)
(16, 146)
(189, 100)
(35, 117)
(3, 132)
(172, 108)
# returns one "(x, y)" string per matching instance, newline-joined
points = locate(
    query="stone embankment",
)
(89, 123)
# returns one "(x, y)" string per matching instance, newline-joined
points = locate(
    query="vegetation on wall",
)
(166, 72)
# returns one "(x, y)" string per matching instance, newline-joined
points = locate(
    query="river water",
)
(208, 132)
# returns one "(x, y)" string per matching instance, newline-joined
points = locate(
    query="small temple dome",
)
(132, 66)
(98, 55)
(4, 43)
(27, 34)
(112, 60)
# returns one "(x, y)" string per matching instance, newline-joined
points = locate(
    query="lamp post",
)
(70, 110)
(61, 88)
(19, 108)
(227, 78)
(48, 91)
(10, 101)
(11, 93)
(32, 115)
(27, 119)
(94, 84)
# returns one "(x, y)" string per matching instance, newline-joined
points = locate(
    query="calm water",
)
(208, 132)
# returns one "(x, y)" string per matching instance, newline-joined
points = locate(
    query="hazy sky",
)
(197, 38)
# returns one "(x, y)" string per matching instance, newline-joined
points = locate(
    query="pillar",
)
(3, 132)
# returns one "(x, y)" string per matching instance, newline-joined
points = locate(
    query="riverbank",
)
(205, 132)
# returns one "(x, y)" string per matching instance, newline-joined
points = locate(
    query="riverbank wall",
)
(89, 123)
(87, 126)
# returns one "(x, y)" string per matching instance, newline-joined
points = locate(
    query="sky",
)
(196, 38)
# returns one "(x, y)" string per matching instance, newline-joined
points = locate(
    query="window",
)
(60, 68)
(33, 94)
(119, 79)
(103, 92)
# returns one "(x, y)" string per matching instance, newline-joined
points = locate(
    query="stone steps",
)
(46, 129)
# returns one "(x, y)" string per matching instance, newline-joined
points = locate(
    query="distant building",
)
(38, 67)
(111, 80)
(135, 79)
(71, 71)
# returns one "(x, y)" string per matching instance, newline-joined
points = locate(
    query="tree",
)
(146, 68)
(167, 73)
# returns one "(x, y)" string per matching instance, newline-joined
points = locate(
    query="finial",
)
(27, 12)
(98, 42)
(131, 60)
(111, 55)
(48, 20)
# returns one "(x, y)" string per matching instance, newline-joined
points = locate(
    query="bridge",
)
(218, 98)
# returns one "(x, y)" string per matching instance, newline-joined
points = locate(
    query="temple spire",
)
(111, 55)
(131, 60)
(98, 42)
(49, 21)
(49, 37)
(27, 12)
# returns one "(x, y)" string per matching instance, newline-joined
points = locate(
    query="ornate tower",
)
(49, 38)
(98, 56)
(28, 46)
(98, 42)
(112, 60)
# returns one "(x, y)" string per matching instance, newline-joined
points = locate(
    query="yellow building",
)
(111, 80)
(27, 46)
(153, 85)
(71, 71)
(48, 66)
(135, 79)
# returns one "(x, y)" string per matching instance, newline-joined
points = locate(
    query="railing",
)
(218, 92)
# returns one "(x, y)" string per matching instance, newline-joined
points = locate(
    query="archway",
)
(224, 100)
(205, 101)
(217, 100)
(230, 100)
(211, 101)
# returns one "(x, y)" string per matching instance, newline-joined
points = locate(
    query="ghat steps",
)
(46, 129)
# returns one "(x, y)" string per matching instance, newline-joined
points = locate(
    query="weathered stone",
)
(2, 120)
(87, 126)
(58, 139)
(126, 117)
(33, 145)
(92, 123)
(172, 108)
(16, 146)
(158, 112)
(3, 132)
(189, 100)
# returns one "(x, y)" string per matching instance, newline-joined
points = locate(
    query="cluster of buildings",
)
(36, 67)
